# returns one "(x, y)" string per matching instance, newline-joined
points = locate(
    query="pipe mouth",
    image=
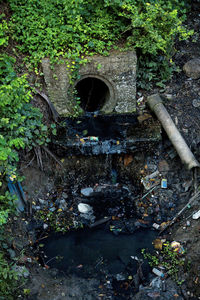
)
(93, 93)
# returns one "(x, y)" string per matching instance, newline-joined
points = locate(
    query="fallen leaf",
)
(46, 266)
(158, 244)
(127, 160)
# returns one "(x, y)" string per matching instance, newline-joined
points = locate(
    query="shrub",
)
(73, 29)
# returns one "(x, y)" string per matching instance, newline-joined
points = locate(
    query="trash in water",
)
(114, 229)
(164, 183)
(196, 215)
(158, 272)
(176, 246)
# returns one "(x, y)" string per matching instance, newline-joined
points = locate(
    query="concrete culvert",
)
(93, 93)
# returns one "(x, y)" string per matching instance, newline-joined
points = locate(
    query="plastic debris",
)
(45, 226)
(94, 138)
(158, 243)
(196, 215)
(156, 283)
(135, 257)
(188, 223)
(156, 226)
(158, 272)
(151, 180)
(164, 286)
(176, 246)
(164, 183)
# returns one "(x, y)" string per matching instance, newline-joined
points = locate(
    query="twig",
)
(52, 155)
(39, 157)
(181, 211)
(50, 260)
(30, 162)
(153, 188)
(195, 179)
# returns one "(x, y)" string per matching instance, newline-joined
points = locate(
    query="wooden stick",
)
(181, 211)
(52, 155)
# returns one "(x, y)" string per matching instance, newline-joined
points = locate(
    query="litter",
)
(176, 246)
(164, 183)
(158, 272)
(156, 226)
(196, 215)
(151, 180)
(158, 243)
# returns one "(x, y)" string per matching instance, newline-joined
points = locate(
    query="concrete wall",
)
(117, 71)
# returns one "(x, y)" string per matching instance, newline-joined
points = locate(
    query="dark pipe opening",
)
(93, 93)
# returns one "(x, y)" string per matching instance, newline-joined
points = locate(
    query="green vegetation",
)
(74, 29)
(8, 279)
(173, 262)
(21, 127)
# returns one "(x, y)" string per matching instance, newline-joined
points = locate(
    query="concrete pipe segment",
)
(187, 157)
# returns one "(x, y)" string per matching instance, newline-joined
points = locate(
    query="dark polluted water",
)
(94, 251)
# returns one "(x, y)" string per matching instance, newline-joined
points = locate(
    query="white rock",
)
(84, 208)
(196, 215)
(45, 226)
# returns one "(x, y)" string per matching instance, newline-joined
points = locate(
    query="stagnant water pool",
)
(90, 251)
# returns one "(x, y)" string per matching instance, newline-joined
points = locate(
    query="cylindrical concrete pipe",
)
(187, 157)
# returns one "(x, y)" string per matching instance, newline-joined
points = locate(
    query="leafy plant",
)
(72, 30)
(3, 31)
(168, 258)
(20, 123)
(8, 279)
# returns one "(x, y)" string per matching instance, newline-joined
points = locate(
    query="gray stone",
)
(87, 191)
(42, 201)
(64, 195)
(45, 226)
(117, 71)
(192, 68)
(196, 102)
(63, 204)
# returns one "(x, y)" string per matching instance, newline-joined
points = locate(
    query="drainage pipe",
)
(187, 157)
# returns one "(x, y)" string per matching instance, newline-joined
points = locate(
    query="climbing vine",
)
(75, 29)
